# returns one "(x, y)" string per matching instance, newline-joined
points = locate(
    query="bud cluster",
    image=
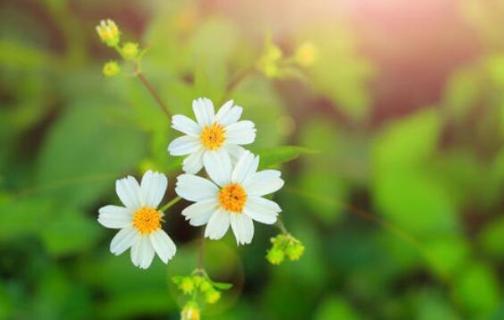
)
(274, 64)
(200, 289)
(284, 245)
(110, 34)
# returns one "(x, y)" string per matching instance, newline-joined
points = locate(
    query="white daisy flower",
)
(212, 133)
(139, 220)
(233, 197)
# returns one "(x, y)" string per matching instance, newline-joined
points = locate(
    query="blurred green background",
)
(401, 209)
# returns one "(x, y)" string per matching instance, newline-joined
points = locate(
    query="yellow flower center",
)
(232, 197)
(212, 137)
(147, 220)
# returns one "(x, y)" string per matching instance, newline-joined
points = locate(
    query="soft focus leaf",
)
(279, 155)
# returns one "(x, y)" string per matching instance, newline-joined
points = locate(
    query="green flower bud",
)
(275, 256)
(187, 285)
(111, 69)
(205, 286)
(268, 63)
(129, 50)
(212, 296)
(294, 250)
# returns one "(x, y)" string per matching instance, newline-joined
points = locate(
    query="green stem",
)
(281, 226)
(236, 80)
(201, 251)
(146, 83)
(153, 92)
(171, 203)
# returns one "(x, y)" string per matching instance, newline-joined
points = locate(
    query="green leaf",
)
(22, 216)
(276, 156)
(407, 142)
(447, 255)
(461, 93)
(71, 232)
(492, 238)
(86, 150)
(417, 202)
(477, 278)
(432, 305)
(336, 308)
(222, 285)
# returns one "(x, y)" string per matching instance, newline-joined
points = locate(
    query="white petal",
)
(114, 217)
(194, 162)
(263, 202)
(142, 253)
(241, 132)
(200, 212)
(128, 191)
(163, 245)
(217, 225)
(204, 111)
(184, 145)
(224, 109)
(185, 125)
(123, 240)
(230, 116)
(245, 167)
(194, 188)
(262, 210)
(243, 228)
(153, 188)
(218, 166)
(235, 152)
(264, 182)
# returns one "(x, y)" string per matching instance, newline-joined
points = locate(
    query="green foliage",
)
(400, 212)
(337, 309)
(271, 158)
(88, 159)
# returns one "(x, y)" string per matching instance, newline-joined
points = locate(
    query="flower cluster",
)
(231, 196)
(220, 177)
(199, 287)
(199, 290)
(109, 33)
(284, 245)
(274, 64)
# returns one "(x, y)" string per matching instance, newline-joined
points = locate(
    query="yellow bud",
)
(306, 54)
(186, 285)
(111, 69)
(212, 296)
(275, 256)
(108, 32)
(130, 50)
(190, 312)
(205, 286)
(268, 63)
(295, 250)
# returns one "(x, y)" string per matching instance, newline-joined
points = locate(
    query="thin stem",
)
(379, 221)
(387, 225)
(201, 251)
(171, 203)
(153, 92)
(281, 226)
(236, 80)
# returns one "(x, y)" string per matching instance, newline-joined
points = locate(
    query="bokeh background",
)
(400, 207)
